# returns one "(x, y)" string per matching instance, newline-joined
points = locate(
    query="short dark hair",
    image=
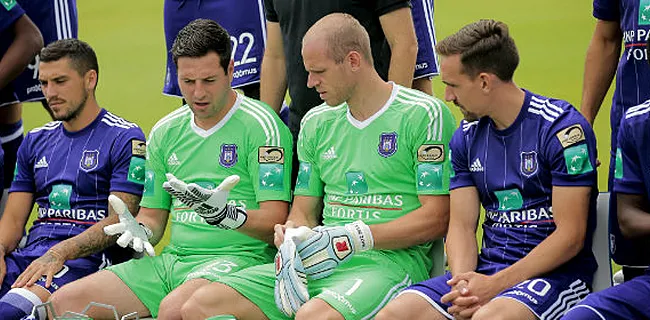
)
(82, 56)
(201, 36)
(484, 46)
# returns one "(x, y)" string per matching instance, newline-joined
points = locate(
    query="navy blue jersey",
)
(633, 152)
(549, 144)
(71, 174)
(244, 20)
(55, 19)
(633, 73)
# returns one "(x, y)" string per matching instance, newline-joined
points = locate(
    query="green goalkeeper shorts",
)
(152, 278)
(357, 289)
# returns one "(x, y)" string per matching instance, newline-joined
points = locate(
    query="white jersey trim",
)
(48, 126)
(638, 110)
(432, 107)
(182, 111)
(544, 108)
(266, 120)
(318, 110)
(392, 293)
(362, 124)
(206, 133)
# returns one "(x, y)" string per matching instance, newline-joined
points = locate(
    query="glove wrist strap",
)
(146, 230)
(233, 217)
(361, 235)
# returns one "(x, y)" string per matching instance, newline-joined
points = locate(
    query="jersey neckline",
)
(363, 124)
(206, 133)
(90, 126)
(520, 117)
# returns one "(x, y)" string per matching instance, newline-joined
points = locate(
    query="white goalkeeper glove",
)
(132, 233)
(332, 246)
(290, 280)
(212, 205)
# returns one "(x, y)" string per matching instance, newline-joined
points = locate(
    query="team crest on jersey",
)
(89, 160)
(529, 163)
(387, 144)
(228, 155)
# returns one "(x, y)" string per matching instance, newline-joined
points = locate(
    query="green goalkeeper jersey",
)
(251, 141)
(374, 170)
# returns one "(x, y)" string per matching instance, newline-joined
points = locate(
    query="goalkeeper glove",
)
(212, 205)
(290, 280)
(132, 233)
(332, 246)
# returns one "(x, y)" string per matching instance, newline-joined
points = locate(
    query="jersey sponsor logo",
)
(329, 154)
(271, 176)
(431, 153)
(89, 160)
(510, 199)
(356, 182)
(533, 216)
(577, 160)
(149, 178)
(136, 170)
(8, 4)
(138, 148)
(476, 166)
(529, 163)
(618, 170)
(304, 173)
(59, 197)
(430, 177)
(387, 144)
(173, 160)
(571, 135)
(270, 155)
(71, 214)
(42, 163)
(644, 12)
(228, 155)
(342, 247)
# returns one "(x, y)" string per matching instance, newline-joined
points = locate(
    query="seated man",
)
(518, 154)
(375, 155)
(69, 168)
(632, 186)
(216, 137)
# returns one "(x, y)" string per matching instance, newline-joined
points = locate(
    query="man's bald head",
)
(341, 33)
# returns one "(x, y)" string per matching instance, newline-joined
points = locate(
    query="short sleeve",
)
(608, 10)
(570, 150)
(270, 165)
(383, 7)
(271, 14)
(153, 194)
(128, 160)
(460, 174)
(24, 174)
(10, 12)
(431, 150)
(308, 182)
(628, 174)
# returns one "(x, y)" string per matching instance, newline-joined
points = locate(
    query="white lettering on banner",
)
(74, 214)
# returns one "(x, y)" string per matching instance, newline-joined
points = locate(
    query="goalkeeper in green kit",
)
(374, 166)
(219, 167)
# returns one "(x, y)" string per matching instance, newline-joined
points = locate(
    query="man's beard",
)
(75, 111)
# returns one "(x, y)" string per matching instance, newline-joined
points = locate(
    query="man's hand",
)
(480, 289)
(133, 234)
(212, 205)
(46, 265)
(331, 246)
(290, 280)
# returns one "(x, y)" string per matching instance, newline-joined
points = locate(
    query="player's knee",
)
(203, 304)
(488, 312)
(67, 299)
(318, 309)
(390, 312)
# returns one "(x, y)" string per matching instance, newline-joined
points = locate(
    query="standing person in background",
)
(620, 23)
(56, 20)
(20, 42)
(69, 168)
(244, 21)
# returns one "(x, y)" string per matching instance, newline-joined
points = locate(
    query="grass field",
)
(552, 37)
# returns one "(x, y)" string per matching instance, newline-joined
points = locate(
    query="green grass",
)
(552, 37)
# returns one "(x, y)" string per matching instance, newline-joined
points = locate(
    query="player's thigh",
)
(216, 267)
(625, 301)
(547, 297)
(431, 291)
(149, 278)
(170, 306)
(410, 305)
(257, 285)
(361, 287)
(102, 287)
(504, 309)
